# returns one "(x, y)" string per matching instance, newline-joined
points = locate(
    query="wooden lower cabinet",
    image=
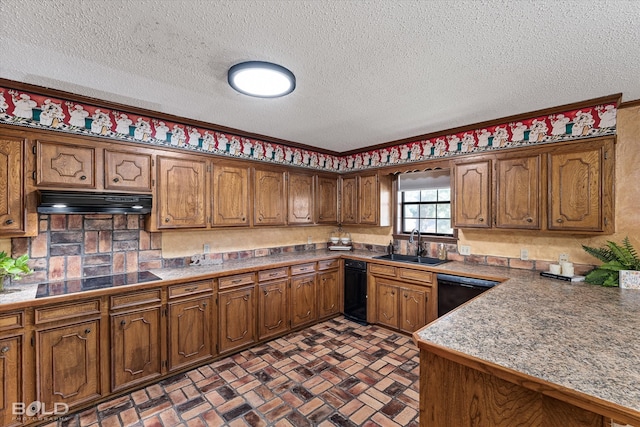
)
(273, 313)
(303, 300)
(136, 342)
(402, 306)
(236, 311)
(68, 364)
(11, 376)
(329, 293)
(190, 332)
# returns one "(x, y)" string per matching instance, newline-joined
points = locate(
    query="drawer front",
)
(303, 268)
(382, 270)
(236, 280)
(66, 311)
(9, 321)
(151, 296)
(187, 289)
(328, 264)
(275, 273)
(415, 275)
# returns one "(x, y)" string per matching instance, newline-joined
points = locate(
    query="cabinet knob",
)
(83, 177)
(9, 222)
(87, 331)
(4, 349)
(123, 322)
(243, 219)
(204, 304)
(393, 292)
(266, 293)
(529, 219)
(166, 220)
(406, 296)
(116, 179)
(559, 220)
(481, 219)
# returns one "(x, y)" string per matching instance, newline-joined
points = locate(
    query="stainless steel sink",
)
(412, 259)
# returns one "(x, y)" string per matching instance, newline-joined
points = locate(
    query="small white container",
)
(555, 269)
(335, 240)
(345, 240)
(567, 269)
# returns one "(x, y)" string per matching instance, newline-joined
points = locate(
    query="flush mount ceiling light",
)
(261, 79)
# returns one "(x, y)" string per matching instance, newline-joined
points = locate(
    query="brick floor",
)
(336, 373)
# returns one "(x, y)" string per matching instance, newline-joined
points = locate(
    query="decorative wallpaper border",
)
(28, 109)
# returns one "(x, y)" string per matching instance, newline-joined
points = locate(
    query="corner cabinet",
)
(182, 191)
(565, 187)
(366, 199)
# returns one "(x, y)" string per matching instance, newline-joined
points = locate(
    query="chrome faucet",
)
(411, 240)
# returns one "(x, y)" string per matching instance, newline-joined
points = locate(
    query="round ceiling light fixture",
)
(261, 79)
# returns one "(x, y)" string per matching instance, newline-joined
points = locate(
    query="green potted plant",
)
(616, 258)
(13, 268)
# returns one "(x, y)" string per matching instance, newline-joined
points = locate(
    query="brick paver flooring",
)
(336, 373)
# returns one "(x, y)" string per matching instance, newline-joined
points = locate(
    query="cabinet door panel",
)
(270, 198)
(230, 195)
(181, 193)
(518, 192)
(303, 300)
(65, 165)
(575, 190)
(127, 171)
(300, 199)
(69, 364)
(349, 200)
(12, 212)
(472, 183)
(413, 307)
(329, 293)
(273, 308)
(237, 318)
(387, 304)
(327, 200)
(136, 343)
(10, 378)
(368, 199)
(189, 332)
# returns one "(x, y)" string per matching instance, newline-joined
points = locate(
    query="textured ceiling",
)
(368, 72)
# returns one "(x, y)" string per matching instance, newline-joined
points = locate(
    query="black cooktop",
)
(92, 283)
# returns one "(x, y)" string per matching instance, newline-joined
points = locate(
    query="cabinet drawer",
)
(303, 268)
(66, 311)
(328, 264)
(416, 275)
(275, 273)
(187, 289)
(151, 296)
(382, 270)
(237, 280)
(10, 321)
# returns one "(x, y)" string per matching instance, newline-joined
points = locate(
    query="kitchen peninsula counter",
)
(531, 339)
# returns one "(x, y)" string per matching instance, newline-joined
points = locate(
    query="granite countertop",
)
(574, 335)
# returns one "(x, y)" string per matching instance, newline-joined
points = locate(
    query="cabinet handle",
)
(87, 331)
(116, 179)
(236, 281)
(4, 349)
(191, 289)
(166, 220)
(481, 219)
(529, 219)
(204, 305)
(83, 177)
(123, 322)
(559, 220)
(9, 222)
(273, 274)
(266, 293)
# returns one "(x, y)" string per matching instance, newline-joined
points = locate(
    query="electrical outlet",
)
(563, 258)
(465, 250)
(206, 249)
(524, 254)
(309, 240)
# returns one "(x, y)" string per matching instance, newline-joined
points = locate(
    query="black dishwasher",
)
(355, 290)
(456, 290)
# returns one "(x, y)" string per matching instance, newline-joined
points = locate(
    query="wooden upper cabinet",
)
(230, 195)
(301, 199)
(327, 200)
(181, 192)
(65, 165)
(581, 187)
(126, 171)
(518, 192)
(472, 194)
(349, 200)
(269, 198)
(368, 202)
(12, 210)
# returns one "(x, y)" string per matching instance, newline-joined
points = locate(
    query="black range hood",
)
(70, 202)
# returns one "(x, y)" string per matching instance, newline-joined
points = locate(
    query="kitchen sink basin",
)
(412, 259)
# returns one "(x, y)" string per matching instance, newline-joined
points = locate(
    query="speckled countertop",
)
(582, 337)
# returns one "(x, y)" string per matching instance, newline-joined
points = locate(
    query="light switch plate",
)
(524, 254)
(206, 249)
(465, 250)
(563, 258)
